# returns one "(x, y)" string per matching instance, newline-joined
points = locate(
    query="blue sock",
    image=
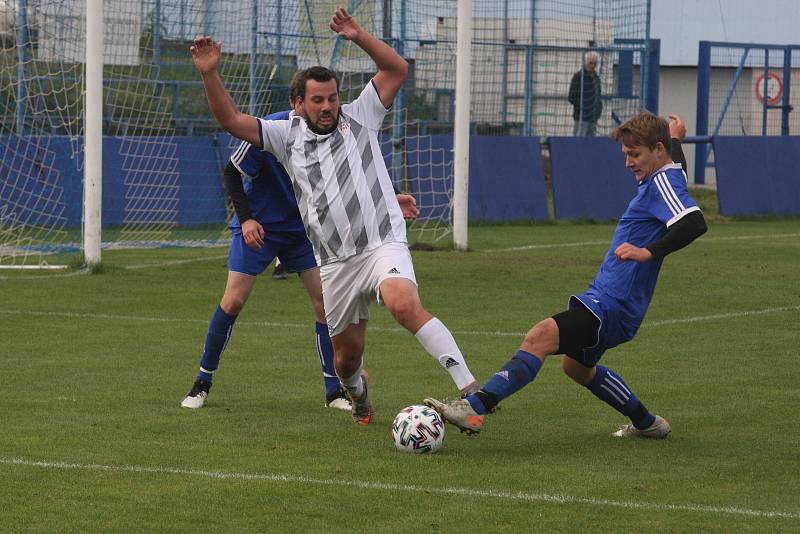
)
(609, 387)
(325, 351)
(516, 374)
(219, 332)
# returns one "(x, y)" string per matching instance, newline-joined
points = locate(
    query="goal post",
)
(93, 140)
(461, 130)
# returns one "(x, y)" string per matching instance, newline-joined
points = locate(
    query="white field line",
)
(607, 242)
(423, 490)
(170, 263)
(486, 333)
(79, 272)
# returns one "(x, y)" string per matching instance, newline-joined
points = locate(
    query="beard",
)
(323, 131)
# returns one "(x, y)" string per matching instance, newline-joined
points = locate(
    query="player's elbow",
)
(402, 69)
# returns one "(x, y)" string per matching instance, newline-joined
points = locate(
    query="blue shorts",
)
(293, 248)
(616, 326)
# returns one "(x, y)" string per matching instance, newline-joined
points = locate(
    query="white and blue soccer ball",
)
(418, 429)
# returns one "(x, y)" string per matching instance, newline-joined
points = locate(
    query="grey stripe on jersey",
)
(330, 244)
(368, 166)
(347, 191)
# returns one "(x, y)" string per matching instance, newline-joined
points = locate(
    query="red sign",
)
(774, 88)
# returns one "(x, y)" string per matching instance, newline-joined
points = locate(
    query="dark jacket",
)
(592, 103)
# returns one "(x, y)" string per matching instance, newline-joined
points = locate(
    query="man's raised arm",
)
(206, 55)
(392, 68)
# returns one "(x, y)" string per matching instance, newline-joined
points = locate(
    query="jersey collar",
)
(671, 165)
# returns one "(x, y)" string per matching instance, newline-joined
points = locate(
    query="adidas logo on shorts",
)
(394, 271)
(450, 362)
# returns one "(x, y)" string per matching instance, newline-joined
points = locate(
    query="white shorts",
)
(349, 286)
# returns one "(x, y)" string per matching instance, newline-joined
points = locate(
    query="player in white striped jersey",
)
(346, 201)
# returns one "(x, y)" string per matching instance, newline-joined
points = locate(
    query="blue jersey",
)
(661, 200)
(267, 187)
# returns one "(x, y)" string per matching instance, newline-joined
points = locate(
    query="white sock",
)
(353, 384)
(438, 341)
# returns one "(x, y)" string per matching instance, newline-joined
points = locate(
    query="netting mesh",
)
(736, 103)
(163, 153)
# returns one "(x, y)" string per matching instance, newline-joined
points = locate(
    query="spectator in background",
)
(585, 96)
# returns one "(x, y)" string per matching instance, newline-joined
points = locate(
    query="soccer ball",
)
(418, 429)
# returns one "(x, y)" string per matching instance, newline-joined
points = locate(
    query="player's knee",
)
(542, 339)
(232, 304)
(403, 309)
(347, 359)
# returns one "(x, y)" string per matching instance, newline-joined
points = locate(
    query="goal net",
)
(163, 154)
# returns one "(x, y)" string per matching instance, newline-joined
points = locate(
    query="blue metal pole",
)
(398, 124)
(528, 119)
(645, 78)
(765, 100)
(654, 68)
(504, 84)
(787, 84)
(22, 58)
(253, 57)
(157, 40)
(279, 31)
(529, 81)
(703, 86)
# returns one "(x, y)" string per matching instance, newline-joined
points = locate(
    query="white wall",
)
(681, 24)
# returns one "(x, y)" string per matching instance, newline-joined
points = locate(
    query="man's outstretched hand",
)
(206, 54)
(344, 24)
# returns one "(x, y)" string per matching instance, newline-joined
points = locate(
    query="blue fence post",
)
(529, 75)
(157, 40)
(644, 82)
(703, 86)
(653, 76)
(787, 84)
(528, 124)
(398, 124)
(22, 58)
(765, 99)
(253, 58)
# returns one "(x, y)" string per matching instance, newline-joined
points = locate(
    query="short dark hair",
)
(293, 85)
(318, 74)
(645, 129)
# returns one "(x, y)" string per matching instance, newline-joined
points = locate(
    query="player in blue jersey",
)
(661, 219)
(267, 225)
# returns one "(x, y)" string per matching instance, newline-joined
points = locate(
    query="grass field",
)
(94, 368)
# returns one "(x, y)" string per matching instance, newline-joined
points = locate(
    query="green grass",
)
(94, 367)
